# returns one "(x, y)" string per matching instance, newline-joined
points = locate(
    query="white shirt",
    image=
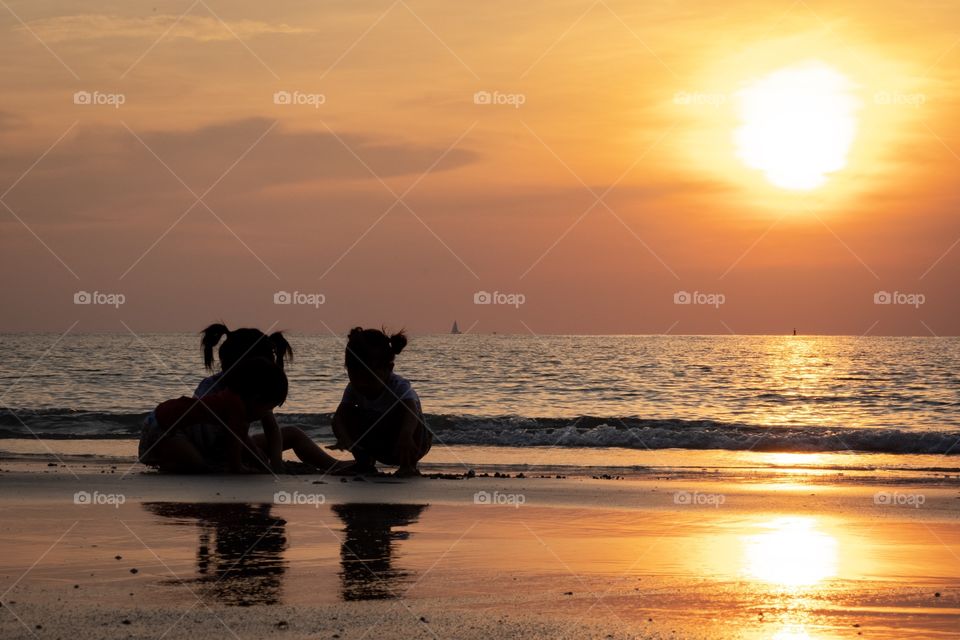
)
(398, 388)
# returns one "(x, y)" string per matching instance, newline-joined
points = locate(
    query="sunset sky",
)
(629, 152)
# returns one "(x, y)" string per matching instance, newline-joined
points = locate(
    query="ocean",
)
(887, 395)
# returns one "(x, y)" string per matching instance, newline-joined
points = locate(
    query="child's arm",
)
(238, 443)
(341, 431)
(407, 451)
(271, 430)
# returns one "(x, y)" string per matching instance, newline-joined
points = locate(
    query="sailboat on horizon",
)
(455, 330)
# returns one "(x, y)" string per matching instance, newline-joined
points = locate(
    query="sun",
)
(797, 124)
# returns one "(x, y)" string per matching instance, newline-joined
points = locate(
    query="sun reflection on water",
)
(792, 632)
(787, 459)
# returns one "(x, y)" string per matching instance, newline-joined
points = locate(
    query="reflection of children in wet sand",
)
(367, 551)
(240, 553)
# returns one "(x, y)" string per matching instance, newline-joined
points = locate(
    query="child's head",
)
(243, 343)
(260, 382)
(369, 358)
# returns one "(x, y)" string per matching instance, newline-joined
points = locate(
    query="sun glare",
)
(794, 632)
(797, 125)
(793, 552)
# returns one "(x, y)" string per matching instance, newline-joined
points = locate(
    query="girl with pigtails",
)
(238, 346)
(194, 435)
(379, 418)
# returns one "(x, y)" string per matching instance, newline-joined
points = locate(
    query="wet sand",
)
(141, 555)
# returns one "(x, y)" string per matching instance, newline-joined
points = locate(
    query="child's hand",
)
(258, 461)
(406, 451)
(343, 443)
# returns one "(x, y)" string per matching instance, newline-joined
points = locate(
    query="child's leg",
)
(302, 445)
(178, 455)
(424, 439)
(422, 442)
(350, 428)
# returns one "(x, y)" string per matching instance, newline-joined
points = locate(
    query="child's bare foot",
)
(407, 472)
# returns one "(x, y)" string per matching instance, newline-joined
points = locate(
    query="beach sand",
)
(94, 552)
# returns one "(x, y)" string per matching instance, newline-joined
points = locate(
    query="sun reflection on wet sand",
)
(791, 552)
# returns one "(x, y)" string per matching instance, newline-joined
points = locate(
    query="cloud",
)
(101, 171)
(200, 28)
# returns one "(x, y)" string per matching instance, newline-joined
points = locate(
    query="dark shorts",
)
(210, 440)
(375, 434)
